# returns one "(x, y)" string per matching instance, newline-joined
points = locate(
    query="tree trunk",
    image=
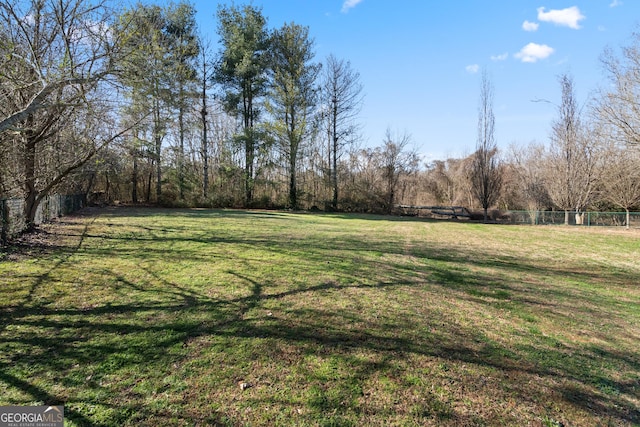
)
(293, 192)
(158, 168)
(566, 217)
(150, 178)
(158, 146)
(31, 193)
(391, 198)
(249, 145)
(628, 218)
(181, 153)
(4, 222)
(205, 169)
(205, 147)
(134, 180)
(248, 172)
(107, 191)
(335, 155)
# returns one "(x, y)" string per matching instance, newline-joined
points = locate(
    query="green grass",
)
(147, 317)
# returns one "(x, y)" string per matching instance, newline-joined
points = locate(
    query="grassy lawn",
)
(149, 317)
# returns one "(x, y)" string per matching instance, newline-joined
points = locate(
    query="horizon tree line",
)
(134, 105)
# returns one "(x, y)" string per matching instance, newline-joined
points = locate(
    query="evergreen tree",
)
(293, 95)
(241, 70)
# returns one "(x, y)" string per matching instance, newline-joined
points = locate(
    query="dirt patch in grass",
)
(48, 238)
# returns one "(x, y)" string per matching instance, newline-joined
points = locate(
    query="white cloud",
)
(615, 3)
(350, 4)
(501, 57)
(569, 17)
(530, 26)
(472, 69)
(534, 52)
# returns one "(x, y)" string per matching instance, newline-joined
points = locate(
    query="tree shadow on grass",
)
(109, 340)
(114, 355)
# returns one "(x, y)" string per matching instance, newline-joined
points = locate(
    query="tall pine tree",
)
(241, 71)
(293, 95)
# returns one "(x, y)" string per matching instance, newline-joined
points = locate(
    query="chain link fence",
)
(52, 206)
(533, 217)
(604, 219)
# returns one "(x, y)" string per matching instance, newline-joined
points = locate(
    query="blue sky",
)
(420, 61)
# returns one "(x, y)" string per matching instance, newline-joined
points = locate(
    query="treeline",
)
(137, 106)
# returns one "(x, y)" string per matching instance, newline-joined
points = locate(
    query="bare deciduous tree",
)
(34, 37)
(530, 181)
(342, 99)
(620, 180)
(571, 163)
(396, 158)
(486, 173)
(440, 182)
(448, 182)
(619, 103)
(617, 111)
(61, 54)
